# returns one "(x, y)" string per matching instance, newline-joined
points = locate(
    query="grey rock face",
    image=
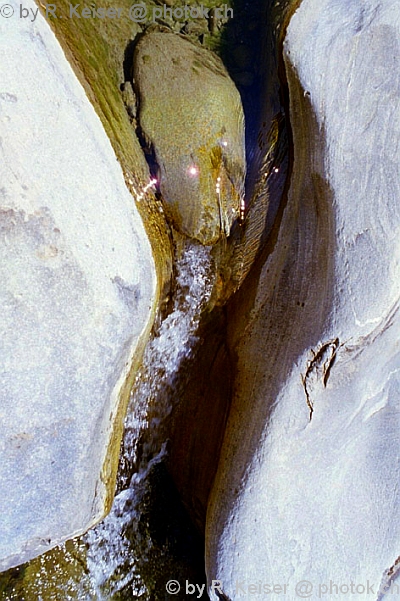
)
(307, 487)
(191, 115)
(77, 289)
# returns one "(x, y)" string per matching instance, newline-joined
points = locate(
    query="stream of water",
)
(112, 560)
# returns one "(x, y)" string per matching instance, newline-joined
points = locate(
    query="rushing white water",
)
(111, 559)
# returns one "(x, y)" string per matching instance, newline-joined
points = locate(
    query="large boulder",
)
(307, 485)
(191, 117)
(77, 291)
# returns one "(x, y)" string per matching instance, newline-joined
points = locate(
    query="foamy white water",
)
(111, 559)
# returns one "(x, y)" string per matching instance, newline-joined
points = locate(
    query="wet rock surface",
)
(77, 288)
(191, 117)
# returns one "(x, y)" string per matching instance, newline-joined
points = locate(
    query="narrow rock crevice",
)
(318, 369)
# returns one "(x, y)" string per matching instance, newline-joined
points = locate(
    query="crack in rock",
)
(319, 369)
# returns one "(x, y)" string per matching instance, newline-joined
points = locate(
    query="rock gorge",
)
(263, 408)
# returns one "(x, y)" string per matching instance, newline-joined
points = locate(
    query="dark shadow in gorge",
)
(256, 33)
(244, 52)
(199, 419)
(250, 49)
(176, 546)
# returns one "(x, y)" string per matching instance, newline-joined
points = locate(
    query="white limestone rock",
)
(77, 289)
(307, 486)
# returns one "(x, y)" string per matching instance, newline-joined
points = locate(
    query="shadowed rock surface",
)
(191, 117)
(306, 487)
(77, 292)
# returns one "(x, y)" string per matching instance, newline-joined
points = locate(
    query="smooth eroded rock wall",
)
(306, 489)
(77, 291)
